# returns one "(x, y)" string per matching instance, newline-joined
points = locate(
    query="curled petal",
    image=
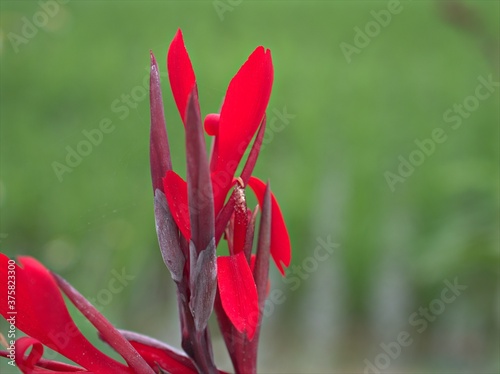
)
(240, 221)
(203, 283)
(280, 240)
(27, 363)
(42, 314)
(177, 197)
(238, 293)
(33, 363)
(180, 73)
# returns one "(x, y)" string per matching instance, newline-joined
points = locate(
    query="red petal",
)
(27, 363)
(180, 73)
(32, 363)
(168, 238)
(42, 314)
(238, 293)
(280, 240)
(242, 112)
(177, 198)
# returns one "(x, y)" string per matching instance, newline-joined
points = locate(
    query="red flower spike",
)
(280, 240)
(241, 114)
(238, 293)
(159, 151)
(180, 73)
(42, 314)
(176, 192)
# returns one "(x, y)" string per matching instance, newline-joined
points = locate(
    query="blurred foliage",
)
(352, 122)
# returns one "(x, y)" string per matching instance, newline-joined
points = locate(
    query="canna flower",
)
(193, 215)
(40, 312)
(241, 115)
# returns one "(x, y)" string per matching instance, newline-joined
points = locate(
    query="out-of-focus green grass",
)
(352, 122)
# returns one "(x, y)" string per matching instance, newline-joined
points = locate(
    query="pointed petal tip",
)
(180, 73)
(178, 33)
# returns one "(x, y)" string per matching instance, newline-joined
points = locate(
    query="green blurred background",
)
(395, 248)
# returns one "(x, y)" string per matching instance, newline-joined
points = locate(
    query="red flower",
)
(37, 308)
(199, 207)
(241, 115)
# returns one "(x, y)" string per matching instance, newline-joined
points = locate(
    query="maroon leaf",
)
(240, 220)
(107, 331)
(261, 266)
(159, 151)
(203, 283)
(200, 195)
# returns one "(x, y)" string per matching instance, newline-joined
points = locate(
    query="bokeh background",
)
(351, 118)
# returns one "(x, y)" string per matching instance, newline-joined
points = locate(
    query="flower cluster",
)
(192, 216)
